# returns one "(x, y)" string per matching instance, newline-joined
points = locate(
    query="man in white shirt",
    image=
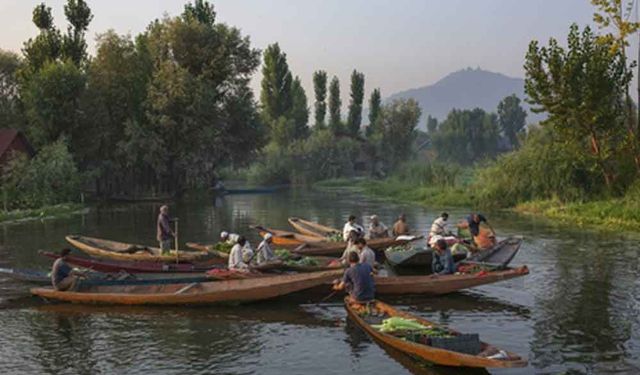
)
(236, 258)
(349, 226)
(440, 227)
(265, 252)
(232, 239)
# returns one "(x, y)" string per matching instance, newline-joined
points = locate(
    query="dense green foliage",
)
(467, 136)
(49, 178)
(511, 118)
(375, 102)
(157, 114)
(10, 114)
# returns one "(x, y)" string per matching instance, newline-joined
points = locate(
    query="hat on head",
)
(224, 234)
(268, 236)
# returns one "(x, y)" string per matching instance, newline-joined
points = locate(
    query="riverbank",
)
(395, 190)
(611, 214)
(46, 212)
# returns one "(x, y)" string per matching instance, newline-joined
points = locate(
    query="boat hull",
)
(336, 249)
(311, 228)
(227, 291)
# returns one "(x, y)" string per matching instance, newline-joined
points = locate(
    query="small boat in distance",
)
(312, 228)
(421, 345)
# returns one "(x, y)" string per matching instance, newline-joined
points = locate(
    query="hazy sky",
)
(398, 44)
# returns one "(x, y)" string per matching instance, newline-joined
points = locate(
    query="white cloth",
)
(247, 253)
(440, 227)
(368, 256)
(265, 252)
(348, 227)
(235, 258)
(232, 238)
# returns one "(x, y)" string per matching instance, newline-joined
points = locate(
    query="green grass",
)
(613, 214)
(47, 212)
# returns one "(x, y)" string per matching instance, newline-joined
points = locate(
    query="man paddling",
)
(472, 222)
(357, 280)
(63, 277)
(164, 232)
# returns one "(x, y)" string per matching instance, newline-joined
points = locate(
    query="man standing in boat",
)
(357, 280)
(480, 238)
(164, 232)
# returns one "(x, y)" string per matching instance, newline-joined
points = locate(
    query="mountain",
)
(466, 89)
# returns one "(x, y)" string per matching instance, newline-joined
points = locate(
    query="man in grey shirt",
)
(164, 232)
(366, 254)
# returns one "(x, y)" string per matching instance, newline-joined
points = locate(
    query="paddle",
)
(175, 220)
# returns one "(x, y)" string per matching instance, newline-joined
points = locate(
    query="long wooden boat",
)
(416, 345)
(311, 228)
(101, 248)
(289, 240)
(336, 249)
(433, 285)
(227, 291)
(114, 266)
(29, 276)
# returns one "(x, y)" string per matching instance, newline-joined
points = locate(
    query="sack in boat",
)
(463, 343)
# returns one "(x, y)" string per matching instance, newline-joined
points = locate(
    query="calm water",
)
(576, 313)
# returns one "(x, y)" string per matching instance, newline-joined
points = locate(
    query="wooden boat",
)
(415, 346)
(221, 255)
(101, 248)
(433, 285)
(311, 228)
(227, 291)
(114, 266)
(286, 239)
(336, 249)
(29, 276)
(499, 255)
(417, 257)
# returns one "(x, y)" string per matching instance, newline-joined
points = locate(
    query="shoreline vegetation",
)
(46, 212)
(606, 214)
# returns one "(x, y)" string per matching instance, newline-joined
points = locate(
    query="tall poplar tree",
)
(335, 123)
(320, 90)
(374, 111)
(354, 119)
(275, 96)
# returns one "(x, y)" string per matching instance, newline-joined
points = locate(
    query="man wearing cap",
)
(164, 232)
(232, 239)
(265, 252)
(377, 229)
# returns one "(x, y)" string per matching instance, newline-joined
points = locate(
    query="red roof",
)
(7, 136)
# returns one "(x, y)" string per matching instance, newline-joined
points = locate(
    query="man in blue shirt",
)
(358, 280)
(63, 277)
(442, 261)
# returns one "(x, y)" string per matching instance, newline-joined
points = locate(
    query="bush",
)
(51, 177)
(321, 156)
(540, 170)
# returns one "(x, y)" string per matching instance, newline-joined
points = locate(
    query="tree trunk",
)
(595, 148)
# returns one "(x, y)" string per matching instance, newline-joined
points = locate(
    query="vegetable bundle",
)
(401, 325)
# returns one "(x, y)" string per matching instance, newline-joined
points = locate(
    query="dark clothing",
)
(442, 264)
(164, 228)
(359, 282)
(60, 271)
(474, 227)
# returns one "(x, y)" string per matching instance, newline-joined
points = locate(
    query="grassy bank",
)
(400, 191)
(612, 214)
(47, 212)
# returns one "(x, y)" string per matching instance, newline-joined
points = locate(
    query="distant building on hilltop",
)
(11, 141)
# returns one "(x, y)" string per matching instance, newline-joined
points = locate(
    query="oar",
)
(176, 240)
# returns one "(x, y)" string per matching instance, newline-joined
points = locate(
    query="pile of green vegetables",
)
(293, 260)
(223, 247)
(335, 237)
(408, 326)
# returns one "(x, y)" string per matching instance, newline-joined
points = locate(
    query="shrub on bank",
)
(50, 178)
